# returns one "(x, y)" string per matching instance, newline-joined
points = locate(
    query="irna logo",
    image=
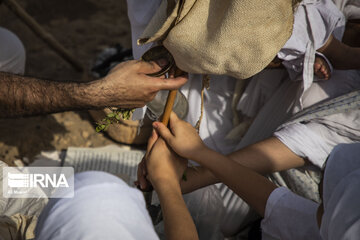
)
(29, 180)
(38, 182)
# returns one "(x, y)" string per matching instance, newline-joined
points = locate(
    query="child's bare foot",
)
(321, 68)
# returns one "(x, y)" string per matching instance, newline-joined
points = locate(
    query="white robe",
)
(275, 108)
(104, 207)
(289, 216)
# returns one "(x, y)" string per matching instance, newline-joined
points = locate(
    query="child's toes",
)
(317, 70)
(325, 71)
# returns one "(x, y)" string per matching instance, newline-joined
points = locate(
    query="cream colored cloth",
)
(19, 215)
(17, 227)
(24, 206)
(238, 38)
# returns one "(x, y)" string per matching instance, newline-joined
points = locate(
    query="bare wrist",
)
(200, 154)
(163, 185)
(90, 95)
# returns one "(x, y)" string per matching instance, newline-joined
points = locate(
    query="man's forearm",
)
(23, 96)
(127, 85)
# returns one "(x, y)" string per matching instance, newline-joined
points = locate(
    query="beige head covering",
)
(232, 37)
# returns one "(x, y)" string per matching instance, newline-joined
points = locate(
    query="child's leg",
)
(321, 68)
(342, 56)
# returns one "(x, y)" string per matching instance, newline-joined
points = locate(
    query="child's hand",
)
(162, 164)
(183, 138)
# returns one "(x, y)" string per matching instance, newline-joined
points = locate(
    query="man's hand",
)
(182, 138)
(128, 86)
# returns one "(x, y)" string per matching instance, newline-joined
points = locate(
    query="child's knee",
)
(12, 53)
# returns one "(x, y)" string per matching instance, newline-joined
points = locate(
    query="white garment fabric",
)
(104, 207)
(24, 206)
(314, 140)
(216, 123)
(341, 194)
(140, 13)
(289, 216)
(350, 8)
(272, 111)
(221, 87)
(12, 53)
(314, 21)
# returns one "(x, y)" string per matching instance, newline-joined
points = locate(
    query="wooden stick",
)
(44, 35)
(168, 107)
(170, 100)
(165, 120)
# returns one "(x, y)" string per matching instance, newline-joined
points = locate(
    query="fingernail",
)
(155, 124)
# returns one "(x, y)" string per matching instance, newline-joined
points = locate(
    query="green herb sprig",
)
(114, 117)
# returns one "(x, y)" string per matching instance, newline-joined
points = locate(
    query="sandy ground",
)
(85, 27)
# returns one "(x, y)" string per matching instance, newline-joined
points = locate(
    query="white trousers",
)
(103, 207)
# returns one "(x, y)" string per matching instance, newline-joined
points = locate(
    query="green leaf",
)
(110, 115)
(98, 129)
(114, 117)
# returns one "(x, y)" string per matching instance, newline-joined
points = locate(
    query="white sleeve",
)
(289, 216)
(140, 13)
(319, 18)
(306, 141)
(314, 20)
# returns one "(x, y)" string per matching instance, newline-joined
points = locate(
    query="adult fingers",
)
(172, 83)
(157, 83)
(148, 67)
